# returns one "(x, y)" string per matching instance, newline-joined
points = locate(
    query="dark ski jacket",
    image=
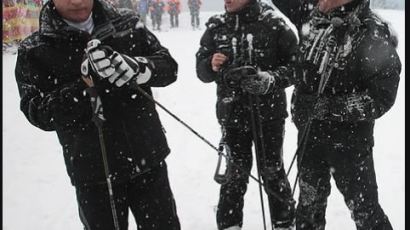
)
(157, 7)
(298, 11)
(364, 81)
(271, 48)
(53, 99)
(194, 5)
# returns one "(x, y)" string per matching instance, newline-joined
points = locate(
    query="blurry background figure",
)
(143, 7)
(174, 8)
(125, 4)
(156, 10)
(20, 18)
(194, 6)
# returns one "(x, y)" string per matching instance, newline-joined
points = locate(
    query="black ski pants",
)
(231, 199)
(149, 197)
(351, 165)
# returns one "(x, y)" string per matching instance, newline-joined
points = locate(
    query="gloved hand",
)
(118, 68)
(257, 82)
(329, 109)
(321, 108)
(97, 58)
(234, 75)
(353, 107)
(127, 68)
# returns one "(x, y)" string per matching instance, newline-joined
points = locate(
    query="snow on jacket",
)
(53, 99)
(298, 11)
(272, 45)
(364, 81)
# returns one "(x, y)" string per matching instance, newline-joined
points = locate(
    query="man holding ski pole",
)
(113, 141)
(249, 42)
(347, 75)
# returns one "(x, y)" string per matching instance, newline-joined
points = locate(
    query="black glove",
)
(353, 107)
(118, 68)
(330, 109)
(233, 76)
(258, 82)
(321, 108)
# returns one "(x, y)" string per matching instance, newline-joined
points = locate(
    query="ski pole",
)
(257, 156)
(325, 71)
(98, 119)
(149, 97)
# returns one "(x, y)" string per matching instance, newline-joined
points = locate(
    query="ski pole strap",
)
(98, 119)
(223, 178)
(96, 106)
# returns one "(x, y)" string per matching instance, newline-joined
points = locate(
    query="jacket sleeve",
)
(164, 67)
(380, 65)
(203, 58)
(293, 9)
(64, 106)
(288, 7)
(286, 49)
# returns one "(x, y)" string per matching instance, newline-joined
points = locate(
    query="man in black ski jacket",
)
(249, 41)
(52, 94)
(347, 75)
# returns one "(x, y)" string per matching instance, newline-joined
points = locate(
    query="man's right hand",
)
(99, 59)
(218, 59)
(118, 68)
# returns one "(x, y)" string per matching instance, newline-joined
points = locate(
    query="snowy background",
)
(37, 193)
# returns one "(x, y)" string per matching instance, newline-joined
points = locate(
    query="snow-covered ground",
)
(37, 193)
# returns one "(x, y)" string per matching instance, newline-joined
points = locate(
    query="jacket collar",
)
(349, 14)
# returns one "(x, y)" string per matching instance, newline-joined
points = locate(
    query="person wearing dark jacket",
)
(174, 9)
(249, 41)
(347, 76)
(52, 94)
(194, 8)
(143, 10)
(156, 11)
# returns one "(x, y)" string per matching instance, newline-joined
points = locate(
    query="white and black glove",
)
(97, 58)
(127, 68)
(118, 68)
(257, 82)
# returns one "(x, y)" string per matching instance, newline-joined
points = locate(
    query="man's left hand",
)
(258, 82)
